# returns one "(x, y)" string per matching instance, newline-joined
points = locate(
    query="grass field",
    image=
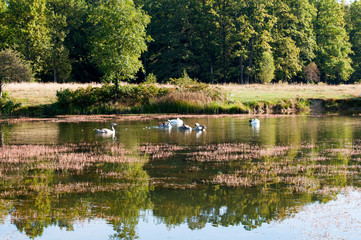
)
(33, 94)
(272, 92)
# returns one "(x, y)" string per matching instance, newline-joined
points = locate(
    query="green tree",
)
(119, 39)
(262, 22)
(267, 67)
(3, 27)
(58, 65)
(172, 29)
(303, 31)
(355, 38)
(13, 68)
(79, 32)
(333, 43)
(29, 31)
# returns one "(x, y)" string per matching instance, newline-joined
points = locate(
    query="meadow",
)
(33, 94)
(49, 99)
(272, 92)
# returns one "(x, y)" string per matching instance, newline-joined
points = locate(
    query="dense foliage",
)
(75, 40)
(254, 40)
(83, 100)
(242, 41)
(13, 68)
(7, 105)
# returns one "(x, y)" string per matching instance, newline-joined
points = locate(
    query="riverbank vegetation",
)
(40, 99)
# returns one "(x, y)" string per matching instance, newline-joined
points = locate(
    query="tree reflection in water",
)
(222, 184)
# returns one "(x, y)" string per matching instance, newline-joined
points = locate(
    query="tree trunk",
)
(1, 90)
(211, 69)
(54, 70)
(224, 54)
(241, 70)
(250, 61)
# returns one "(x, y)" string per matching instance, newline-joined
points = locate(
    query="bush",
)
(186, 84)
(150, 79)
(312, 73)
(128, 95)
(8, 106)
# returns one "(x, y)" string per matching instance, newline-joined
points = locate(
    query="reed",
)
(299, 168)
(161, 151)
(68, 157)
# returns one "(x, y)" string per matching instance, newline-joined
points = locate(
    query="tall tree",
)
(3, 26)
(294, 37)
(29, 30)
(355, 38)
(120, 38)
(58, 67)
(170, 51)
(262, 22)
(333, 43)
(78, 41)
(267, 67)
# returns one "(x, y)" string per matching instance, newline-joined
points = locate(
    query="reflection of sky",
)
(96, 229)
(337, 219)
(347, 1)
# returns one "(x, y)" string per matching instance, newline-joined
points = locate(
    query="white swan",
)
(164, 125)
(176, 122)
(254, 122)
(185, 127)
(200, 127)
(106, 130)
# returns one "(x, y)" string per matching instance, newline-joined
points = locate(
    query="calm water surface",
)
(63, 181)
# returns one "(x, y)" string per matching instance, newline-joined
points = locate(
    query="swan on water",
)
(185, 127)
(254, 122)
(164, 125)
(106, 130)
(200, 127)
(176, 122)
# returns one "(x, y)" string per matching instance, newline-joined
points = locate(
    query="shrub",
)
(8, 106)
(127, 95)
(186, 84)
(312, 73)
(150, 79)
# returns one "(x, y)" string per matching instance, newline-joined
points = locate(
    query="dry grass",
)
(272, 92)
(33, 94)
(187, 97)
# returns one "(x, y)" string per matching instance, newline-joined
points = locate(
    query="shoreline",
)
(146, 117)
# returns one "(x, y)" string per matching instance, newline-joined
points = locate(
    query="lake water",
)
(290, 178)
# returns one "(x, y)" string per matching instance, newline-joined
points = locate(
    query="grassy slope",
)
(32, 94)
(273, 92)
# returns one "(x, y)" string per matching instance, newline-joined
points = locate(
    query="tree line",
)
(214, 41)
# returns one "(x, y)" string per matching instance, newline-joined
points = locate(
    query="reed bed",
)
(24, 164)
(299, 168)
(236, 151)
(161, 151)
(88, 187)
(61, 157)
